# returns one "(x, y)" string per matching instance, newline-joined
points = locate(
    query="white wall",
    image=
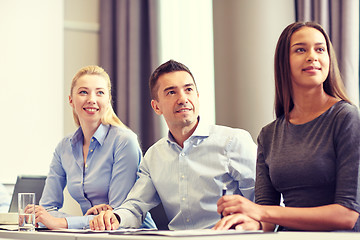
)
(31, 62)
(245, 36)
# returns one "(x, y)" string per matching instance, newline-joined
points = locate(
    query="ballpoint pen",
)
(50, 209)
(223, 194)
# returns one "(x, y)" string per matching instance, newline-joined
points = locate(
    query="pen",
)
(50, 209)
(223, 194)
(224, 190)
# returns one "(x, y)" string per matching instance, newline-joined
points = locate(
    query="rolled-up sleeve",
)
(241, 152)
(141, 199)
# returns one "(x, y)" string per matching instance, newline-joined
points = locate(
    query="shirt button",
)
(182, 177)
(183, 199)
(91, 150)
(92, 140)
(182, 154)
(86, 165)
(187, 220)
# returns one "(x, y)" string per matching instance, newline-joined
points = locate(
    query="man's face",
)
(178, 99)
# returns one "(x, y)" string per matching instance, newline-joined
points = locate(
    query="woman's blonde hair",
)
(109, 118)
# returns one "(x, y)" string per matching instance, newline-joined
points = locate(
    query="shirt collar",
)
(77, 136)
(99, 134)
(202, 131)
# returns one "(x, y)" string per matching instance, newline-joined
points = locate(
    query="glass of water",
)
(26, 205)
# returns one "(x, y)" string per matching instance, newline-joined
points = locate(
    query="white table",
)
(105, 236)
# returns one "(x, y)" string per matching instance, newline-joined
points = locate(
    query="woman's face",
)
(309, 59)
(90, 98)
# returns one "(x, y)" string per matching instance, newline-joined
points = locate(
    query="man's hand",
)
(106, 220)
(95, 210)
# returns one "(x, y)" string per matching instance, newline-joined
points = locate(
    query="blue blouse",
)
(107, 177)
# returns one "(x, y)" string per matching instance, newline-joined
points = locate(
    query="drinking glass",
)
(26, 205)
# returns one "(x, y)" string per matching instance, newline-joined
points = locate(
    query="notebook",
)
(24, 183)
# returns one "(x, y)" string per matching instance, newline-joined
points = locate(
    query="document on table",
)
(80, 231)
(155, 232)
(182, 233)
(89, 231)
(9, 227)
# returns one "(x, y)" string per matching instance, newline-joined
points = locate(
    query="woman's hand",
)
(42, 216)
(239, 222)
(231, 204)
(95, 210)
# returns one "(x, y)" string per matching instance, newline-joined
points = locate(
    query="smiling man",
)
(187, 170)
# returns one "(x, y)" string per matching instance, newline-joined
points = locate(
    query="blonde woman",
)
(98, 163)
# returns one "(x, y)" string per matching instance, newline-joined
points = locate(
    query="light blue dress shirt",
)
(189, 181)
(5, 199)
(107, 177)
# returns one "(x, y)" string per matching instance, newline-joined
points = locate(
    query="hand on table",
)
(106, 220)
(95, 210)
(238, 221)
(231, 204)
(51, 222)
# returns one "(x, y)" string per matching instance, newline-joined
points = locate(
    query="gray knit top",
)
(311, 164)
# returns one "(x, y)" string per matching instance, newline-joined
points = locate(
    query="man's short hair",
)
(168, 67)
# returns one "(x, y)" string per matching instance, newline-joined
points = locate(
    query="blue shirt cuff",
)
(79, 222)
